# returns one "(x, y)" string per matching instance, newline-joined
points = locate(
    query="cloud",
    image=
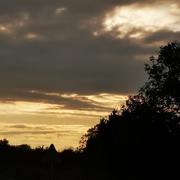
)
(130, 21)
(161, 36)
(63, 104)
(81, 47)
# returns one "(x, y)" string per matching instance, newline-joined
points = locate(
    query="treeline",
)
(25, 155)
(26, 163)
(140, 141)
(20, 154)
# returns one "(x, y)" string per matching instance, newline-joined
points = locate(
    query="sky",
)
(65, 64)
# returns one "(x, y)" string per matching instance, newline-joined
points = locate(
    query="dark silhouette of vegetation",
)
(163, 88)
(140, 141)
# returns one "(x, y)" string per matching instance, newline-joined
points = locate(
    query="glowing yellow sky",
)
(38, 123)
(35, 135)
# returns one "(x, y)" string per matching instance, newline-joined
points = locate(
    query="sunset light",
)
(135, 21)
(50, 121)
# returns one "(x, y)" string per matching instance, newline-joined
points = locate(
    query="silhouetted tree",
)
(4, 142)
(163, 88)
(144, 138)
(159, 98)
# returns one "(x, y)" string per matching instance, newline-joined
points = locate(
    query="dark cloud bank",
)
(49, 46)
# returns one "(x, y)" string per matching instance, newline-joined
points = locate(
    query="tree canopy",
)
(145, 134)
(163, 88)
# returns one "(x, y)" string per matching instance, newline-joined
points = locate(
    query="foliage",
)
(157, 103)
(145, 134)
(163, 88)
(4, 142)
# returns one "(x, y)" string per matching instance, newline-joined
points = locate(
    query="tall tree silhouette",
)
(163, 88)
(162, 92)
(144, 137)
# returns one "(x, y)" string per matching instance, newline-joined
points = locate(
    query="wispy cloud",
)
(65, 104)
(135, 21)
(63, 136)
